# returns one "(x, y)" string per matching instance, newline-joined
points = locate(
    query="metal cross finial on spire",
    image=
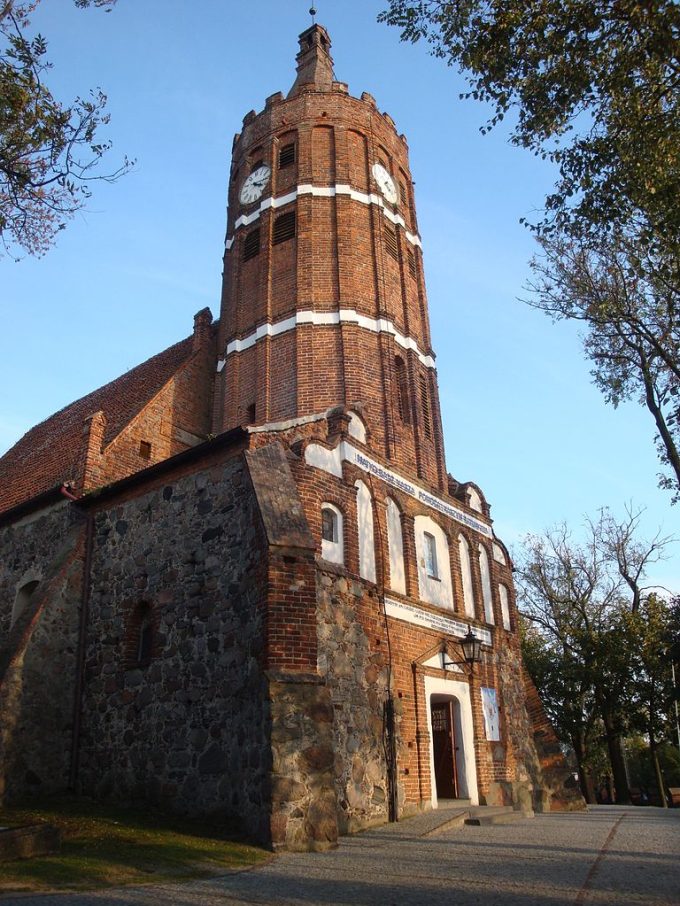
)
(312, 13)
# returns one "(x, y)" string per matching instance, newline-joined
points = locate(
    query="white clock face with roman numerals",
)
(255, 185)
(385, 183)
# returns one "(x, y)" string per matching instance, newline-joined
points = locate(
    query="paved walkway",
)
(614, 856)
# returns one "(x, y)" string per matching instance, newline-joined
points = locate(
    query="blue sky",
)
(521, 417)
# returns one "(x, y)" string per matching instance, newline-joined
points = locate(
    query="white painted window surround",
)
(486, 584)
(466, 574)
(498, 554)
(357, 429)
(505, 607)
(366, 533)
(433, 590)
(332, 550)
(395, 544)
(475, 500)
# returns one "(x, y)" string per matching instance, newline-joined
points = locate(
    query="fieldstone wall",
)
(189, 729)
(38, 651)
(357, 679)
(542, 778)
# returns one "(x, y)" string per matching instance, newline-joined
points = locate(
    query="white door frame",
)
(464, 731)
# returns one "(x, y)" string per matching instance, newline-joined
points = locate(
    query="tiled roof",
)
(49, 453)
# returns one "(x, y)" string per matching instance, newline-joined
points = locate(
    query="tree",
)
(49, 152)
(580, 599)
(629, 301)
(595, 85)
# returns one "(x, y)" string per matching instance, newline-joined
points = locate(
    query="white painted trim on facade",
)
(323, 192)
(409, 613)
(326, 319)
(467, 768)
(331, 461)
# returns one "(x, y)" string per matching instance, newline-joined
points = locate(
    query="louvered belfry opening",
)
(284, 227)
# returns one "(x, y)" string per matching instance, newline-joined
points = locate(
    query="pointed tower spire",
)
(314, 63)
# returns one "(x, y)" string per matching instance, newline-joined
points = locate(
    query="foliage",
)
(641, 769)
(596, 87)
(629, 301)
(592, 645)
(49, 152)
(108, 845)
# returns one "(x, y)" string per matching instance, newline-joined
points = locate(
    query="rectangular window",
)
(145, 449)
(284, 227)
(425, 406)
(251, 244)
(391, 243)
(403, 196)
(402, 390)
(430, 555)
(287, 156)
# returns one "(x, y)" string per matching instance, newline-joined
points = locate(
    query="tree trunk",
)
(585, 778)
(654, 755)
(616, 759)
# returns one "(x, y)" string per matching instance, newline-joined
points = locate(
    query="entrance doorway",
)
(444, 750)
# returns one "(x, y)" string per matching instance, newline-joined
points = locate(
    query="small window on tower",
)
(402, 390)
(332, 543)
(412, 268)
(251, 244)
(145, 449)
(287, 156)
(425, 406)
(284, 227)
(251, 413)
(403, 195)
(391, 244)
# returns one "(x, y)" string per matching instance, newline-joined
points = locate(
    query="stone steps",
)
(485, 816)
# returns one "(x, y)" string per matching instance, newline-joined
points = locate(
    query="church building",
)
(239, 580)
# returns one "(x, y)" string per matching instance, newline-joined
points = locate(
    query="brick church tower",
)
(323, 300)
(238, 580)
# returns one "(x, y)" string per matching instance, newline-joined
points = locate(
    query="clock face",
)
(254, 185)
(385, 183)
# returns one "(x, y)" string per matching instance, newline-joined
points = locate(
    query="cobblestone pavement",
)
(614, 856)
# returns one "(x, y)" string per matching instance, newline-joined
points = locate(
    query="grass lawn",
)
(103, 846)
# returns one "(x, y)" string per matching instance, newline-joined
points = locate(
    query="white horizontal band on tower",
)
(324, 319)
(324, 192)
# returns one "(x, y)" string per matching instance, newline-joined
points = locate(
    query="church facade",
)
(235, 581)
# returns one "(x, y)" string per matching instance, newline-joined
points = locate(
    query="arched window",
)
(366, 534)
(466, 575)
(22, 599)
(332, 543)
(486, 584)
(395, 544)
(505, 607)
(434, 565)
(357, 428)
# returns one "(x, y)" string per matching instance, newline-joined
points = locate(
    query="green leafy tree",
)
(628, 300)
(49, 151)
(579, 598)
(594, 85)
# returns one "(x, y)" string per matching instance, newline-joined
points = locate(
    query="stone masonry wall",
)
(355, 671)
(37, 652)
(189, 727)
